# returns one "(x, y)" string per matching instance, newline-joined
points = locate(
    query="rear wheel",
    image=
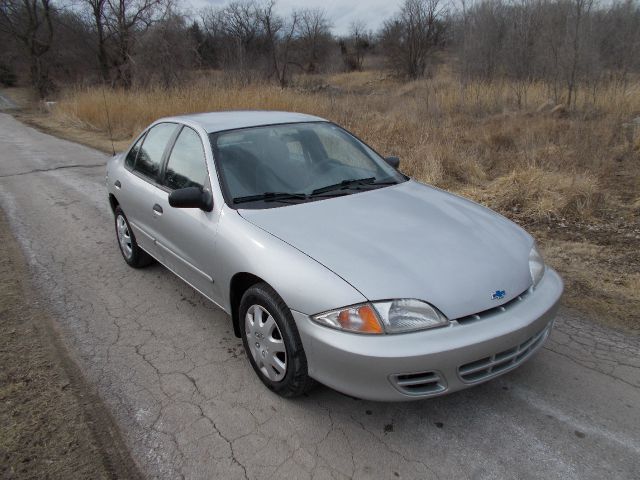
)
(131, 252)
(272, 342)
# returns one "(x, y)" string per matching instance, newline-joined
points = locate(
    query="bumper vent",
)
(492, 366)
(422, 383)
(493, 311)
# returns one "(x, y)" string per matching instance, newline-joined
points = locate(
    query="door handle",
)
(157, 209)
(117, 184)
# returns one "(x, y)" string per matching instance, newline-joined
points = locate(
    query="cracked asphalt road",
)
(167, 365)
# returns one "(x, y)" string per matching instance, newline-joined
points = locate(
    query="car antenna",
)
(104, 97)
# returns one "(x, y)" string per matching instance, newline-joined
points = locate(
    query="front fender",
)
(304, 284)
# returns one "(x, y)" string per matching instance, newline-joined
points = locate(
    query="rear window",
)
(149, 158)
(130, 160)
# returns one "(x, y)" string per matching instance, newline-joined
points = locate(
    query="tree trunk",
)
(39, 76)
(103, 58)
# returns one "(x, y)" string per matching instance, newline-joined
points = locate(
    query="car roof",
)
(230, 120)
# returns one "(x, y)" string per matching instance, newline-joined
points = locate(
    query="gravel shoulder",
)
(52, 424)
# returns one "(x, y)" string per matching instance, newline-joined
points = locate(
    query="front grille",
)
(493, 311)
(489, 367)
(421, 383)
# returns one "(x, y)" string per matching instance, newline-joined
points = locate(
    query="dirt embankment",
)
(52, 425)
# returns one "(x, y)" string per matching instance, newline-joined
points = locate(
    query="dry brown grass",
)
(573, 173)
(541, 194)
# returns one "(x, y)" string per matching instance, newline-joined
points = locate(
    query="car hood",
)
(409, 241)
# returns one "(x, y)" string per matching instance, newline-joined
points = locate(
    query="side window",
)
(150, 156)
(130, 160)
(186, 166)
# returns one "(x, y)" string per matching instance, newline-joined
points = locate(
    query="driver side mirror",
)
(393, 161)
(191, 197)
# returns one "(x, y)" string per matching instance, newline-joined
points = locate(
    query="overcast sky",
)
(340, 12)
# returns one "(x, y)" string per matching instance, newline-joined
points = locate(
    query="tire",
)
(129, 248)
(259, 304)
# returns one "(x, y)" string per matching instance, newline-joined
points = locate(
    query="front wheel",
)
(272, 342)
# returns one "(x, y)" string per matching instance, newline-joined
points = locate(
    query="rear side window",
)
(130, 160)
(150, 157)
(186, 166)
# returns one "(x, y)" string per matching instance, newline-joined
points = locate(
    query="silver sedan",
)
(333, 266)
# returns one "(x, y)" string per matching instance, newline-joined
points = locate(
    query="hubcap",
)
(124, 237)
(265, 343)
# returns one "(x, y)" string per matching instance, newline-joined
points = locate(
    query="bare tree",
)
(580, 9)
(410, 37)
(354, 47)
(314, 37)
(564, 44)
(361, 42)
(280, 34)
(125, 19)
(97, 12)
(30, 22)
(241, 23)
(520, 47)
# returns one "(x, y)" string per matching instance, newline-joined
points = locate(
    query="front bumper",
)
(432, 362)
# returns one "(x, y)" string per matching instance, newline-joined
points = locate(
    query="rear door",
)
(187, 235)
(141, 195)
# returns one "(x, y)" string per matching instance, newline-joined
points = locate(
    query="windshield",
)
(291, 163)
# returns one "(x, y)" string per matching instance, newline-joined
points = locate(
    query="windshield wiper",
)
(344, 184)
(270, 197)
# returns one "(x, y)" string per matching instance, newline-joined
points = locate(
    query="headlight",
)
(408, 315)
(536, 265)
(392, 316)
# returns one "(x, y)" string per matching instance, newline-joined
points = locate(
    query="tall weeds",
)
(469, 138)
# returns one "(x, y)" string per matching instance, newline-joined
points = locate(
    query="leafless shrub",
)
(355, 46)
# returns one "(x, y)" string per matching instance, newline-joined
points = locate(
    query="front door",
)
(187, 235)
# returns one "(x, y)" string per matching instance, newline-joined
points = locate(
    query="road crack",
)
(52, 169)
